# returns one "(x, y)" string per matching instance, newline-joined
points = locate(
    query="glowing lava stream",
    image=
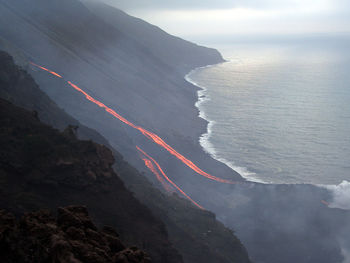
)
(325, 203)
(166, 177)
(150, 166)
(51, 72)
(154, 137)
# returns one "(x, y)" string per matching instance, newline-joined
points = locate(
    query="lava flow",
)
(155, 138)
(150, 166)
(51, 72)
(166, 177)
(325, 203)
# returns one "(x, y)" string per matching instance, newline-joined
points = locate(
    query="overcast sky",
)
(213, 18)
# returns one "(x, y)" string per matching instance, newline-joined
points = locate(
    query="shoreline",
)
(340, 192)
(204, 141)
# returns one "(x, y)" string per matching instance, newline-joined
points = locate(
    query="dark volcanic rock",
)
(41, 167)
(71, 238)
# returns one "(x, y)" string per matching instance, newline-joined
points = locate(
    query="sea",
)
(279, 111)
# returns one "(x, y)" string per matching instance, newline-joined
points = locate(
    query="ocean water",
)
(279, 112)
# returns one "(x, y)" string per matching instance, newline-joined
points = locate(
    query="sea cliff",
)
(140, 75)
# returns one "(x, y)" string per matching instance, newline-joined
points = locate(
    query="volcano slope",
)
(114, 64)
(186, 225)
(137, 70)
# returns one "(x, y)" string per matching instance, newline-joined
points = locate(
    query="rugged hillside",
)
(196, 234)
(70, 237)
(43, 168)
(112, 63)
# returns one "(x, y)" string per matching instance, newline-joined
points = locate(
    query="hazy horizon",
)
(204, 21)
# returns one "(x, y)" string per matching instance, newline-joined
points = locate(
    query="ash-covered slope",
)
(141, 77)
(102, 58)
(174, 51)
(18, 87)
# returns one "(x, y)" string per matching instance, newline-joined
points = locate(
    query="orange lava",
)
(154, 137)
(167, 178)
(53, 73)
(325, 203)
(150, 166)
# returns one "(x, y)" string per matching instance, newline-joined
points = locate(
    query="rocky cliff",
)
(43, 168)
(69, 237)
